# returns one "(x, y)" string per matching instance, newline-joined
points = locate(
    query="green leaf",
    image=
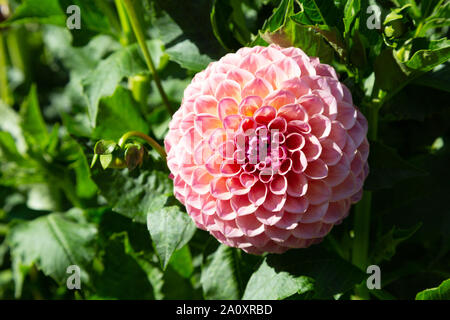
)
(300, 271)
(53, 243)
(440, 293)
(170, 229)
(438, 78)
(387, 168)
(219, 276)
(122, 277)
(385, 246)
(301, 36)
(222, 22)
(103, 80)
(185, 37)
(32, 122)
(118, 114)
(425, 55)
(351, 11)
(45, 11)
(269, 284)
(134, 193)
(321, 12)
(439, 19)
(181, 262)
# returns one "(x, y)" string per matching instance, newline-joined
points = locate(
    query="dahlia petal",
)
(228, 228)
(338, 172)
(347, 115)
(297, 184)
(257, 87)
(265, 114)
(307, 230)
(235, 186)
(202, 152)
(249, 225)
(312, 148)
(357, 133)
(226, 107)
(294, 141)
(206, 104)
(232, 122)
(206, 123)
(316, 169)
(242, 205)
(330, 103)
(296, 86)
(278, 185)
(289, 67)
(219, 188)
(331, 153)
(296, 204)
(299, 161)
(274, 202)
(224, 210)
(315, 213)
(336, 211)
(201, 180)
(285, 166)
(279, 98)
(216, 138)
(241, 76)
(276, 234)
(320, 126)
(318, 192)
(312, 104)
(257, 194)
(247, 180)
(273, 74)
(228, 89)
(345, 189)
(338, 134)
(293, 112)
(229, 168)
(289, 221)
(253, 62)
(249, 105)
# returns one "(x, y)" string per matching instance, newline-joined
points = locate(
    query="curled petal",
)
(297, 184)
(249, 105)
(226, 107)
(257, 87)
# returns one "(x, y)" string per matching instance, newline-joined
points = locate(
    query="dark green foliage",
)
(62, 91)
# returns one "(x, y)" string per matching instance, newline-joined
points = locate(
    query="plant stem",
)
(138, 31)
(5, 93)
(155, 145)
(127, 36)
(361, 229)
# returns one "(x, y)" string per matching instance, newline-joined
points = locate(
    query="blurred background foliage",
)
(62, 90)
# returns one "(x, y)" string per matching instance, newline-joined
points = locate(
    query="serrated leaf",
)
(427, 54)
(300, 271)
(268, 284)
(219, 275)
(134, 193)
(103, 80)
(385, 246)
(170, 228)
(53, 243)
(118, 114)
(440, 293)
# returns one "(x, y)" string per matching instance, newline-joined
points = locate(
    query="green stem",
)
(138, 31)
(155, 145)
(360, 250)
(5, 93)
(127, 36)
(109, 12)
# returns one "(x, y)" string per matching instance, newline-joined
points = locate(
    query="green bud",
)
(105, 147)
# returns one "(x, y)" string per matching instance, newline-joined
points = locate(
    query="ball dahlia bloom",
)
(267, 150)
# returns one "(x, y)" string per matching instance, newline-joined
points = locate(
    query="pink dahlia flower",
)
(267, 150)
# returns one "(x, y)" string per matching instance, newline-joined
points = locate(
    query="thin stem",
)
(138, 31)
(155, 145)
(5, 93)
(127, 36)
